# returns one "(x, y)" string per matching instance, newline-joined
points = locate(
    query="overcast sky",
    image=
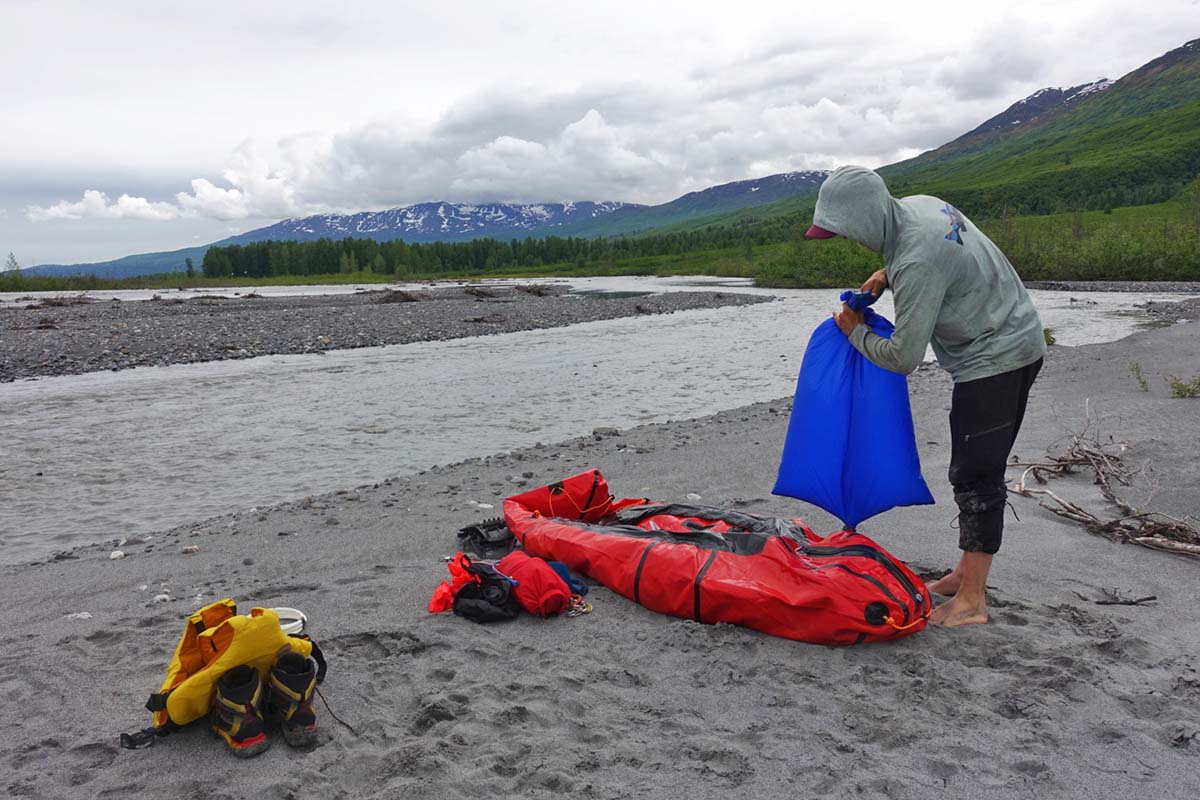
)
(132, 127)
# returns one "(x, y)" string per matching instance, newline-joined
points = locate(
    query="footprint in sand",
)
(377, 646)
(90, 758)
(438, 709)
(107, 637)
(725, 767)
(35, 752)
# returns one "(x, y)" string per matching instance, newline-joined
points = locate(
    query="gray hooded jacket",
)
(952, 286)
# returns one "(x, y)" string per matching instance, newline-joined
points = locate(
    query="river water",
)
(93, 457)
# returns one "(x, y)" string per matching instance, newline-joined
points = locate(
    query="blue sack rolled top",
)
(850, 447)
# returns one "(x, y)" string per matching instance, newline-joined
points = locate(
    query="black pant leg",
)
(985, 417)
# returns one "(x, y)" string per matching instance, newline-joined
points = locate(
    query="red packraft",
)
(722, 565)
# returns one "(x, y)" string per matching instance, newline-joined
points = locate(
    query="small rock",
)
(605, 432)
(192, 548)
(484, 505)
(78, 615)
(162, 598)
(692, 496)
(115, 554)
(247, 562)
(332, 521)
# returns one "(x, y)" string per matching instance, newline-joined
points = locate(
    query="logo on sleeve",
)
(957, 223)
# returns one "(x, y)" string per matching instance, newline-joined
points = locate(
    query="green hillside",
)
(1136, 143)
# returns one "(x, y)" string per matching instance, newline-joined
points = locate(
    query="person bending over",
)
(953, 288)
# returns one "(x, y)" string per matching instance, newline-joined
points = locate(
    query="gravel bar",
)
(1171, 287)
(70, 336)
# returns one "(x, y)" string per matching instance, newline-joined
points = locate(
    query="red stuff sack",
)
(540, 590)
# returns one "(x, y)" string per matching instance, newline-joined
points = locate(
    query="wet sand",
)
(1056, 697)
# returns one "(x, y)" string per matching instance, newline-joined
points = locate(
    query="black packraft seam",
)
(712, 556)
(637, 576)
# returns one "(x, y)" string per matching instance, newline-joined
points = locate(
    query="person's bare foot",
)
(947, 585)
(959, 611)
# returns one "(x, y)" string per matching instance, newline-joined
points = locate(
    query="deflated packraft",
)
(721, 565)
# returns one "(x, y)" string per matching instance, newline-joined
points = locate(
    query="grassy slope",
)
(1144, 131)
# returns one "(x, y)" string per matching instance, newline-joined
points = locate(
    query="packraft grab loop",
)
(891, 621)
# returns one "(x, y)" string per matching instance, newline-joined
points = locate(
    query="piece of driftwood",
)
(401, 296)
(1115, 598)
(1085, 451)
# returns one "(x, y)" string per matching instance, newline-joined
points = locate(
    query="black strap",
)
(592, 494)
(637, 576)
(157, 702)
(319, 657)
(696, 585)
(146, 737)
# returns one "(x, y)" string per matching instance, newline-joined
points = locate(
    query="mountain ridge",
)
(1136, 141)
(432, 221)
(451, 222)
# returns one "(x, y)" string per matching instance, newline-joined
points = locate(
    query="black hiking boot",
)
(236, 717)
(291, 685)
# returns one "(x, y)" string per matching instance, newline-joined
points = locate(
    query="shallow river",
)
(92, 457)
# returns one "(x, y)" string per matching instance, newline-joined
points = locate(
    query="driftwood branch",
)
(1115, 598)
(1085, 452)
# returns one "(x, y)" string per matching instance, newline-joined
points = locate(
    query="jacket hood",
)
(856, 203)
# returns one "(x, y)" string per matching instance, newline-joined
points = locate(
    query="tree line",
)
(397, 257)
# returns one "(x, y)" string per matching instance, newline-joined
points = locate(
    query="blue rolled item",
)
(575, 584)
(858, 301)
(850, 447)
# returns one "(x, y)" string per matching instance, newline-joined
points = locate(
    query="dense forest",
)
(326, 256)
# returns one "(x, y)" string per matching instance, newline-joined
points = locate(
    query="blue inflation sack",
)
(850, 447)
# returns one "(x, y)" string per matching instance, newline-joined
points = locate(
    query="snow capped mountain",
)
(772, 187)
(428, 222)
(1041, 102)
(451, 222)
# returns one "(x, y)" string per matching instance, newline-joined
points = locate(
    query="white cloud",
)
(743, 99)
(97, 205)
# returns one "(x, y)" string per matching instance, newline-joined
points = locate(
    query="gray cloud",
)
(344, 112)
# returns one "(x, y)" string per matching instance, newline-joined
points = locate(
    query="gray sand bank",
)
(1056, 697)
(38, 340)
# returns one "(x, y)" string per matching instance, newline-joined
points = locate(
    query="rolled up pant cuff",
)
(980, 532)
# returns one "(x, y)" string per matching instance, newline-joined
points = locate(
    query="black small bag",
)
(489, 598)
